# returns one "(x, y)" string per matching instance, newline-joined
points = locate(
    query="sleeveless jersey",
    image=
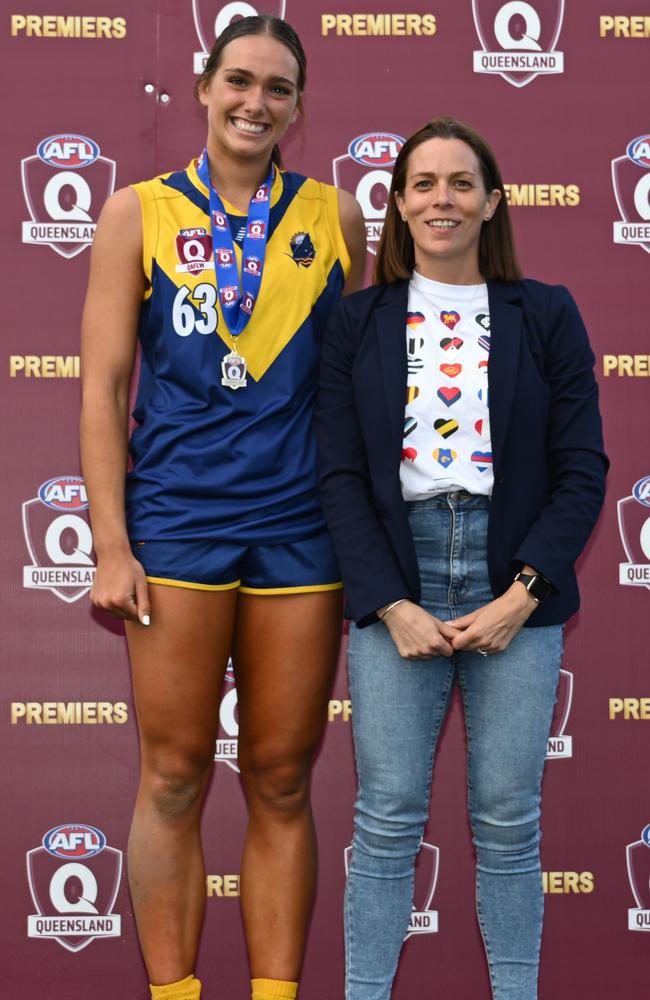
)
(210, 461)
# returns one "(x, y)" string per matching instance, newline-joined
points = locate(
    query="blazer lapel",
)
(390, 327)
(506, 330)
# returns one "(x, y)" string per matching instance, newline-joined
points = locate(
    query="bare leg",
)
(178, 664)
(285, 655)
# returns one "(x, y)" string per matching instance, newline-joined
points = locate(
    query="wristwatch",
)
(536, 585)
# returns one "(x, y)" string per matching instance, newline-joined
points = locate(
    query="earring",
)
(403, 218)
(487, 218)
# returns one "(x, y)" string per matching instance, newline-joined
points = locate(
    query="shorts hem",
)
(309, 589)
(188, 585)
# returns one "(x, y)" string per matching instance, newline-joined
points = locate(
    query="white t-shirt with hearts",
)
(446, 421)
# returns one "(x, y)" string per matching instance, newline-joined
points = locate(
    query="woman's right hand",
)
(120, 587)
(416, 633)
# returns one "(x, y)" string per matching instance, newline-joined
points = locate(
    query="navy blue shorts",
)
(300, 567)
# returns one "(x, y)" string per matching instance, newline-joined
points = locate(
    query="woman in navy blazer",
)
(456, 538)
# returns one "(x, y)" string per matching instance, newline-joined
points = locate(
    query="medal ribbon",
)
(237, 303)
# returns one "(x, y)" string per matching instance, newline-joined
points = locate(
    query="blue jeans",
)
(398, 707)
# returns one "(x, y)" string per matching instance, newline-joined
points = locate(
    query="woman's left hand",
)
(492, 628)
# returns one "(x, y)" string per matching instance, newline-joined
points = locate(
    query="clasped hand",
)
(421, 636)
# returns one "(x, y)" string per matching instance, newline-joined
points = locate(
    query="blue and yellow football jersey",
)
(209, 460)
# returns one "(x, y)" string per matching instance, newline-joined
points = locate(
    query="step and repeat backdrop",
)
(99, 95)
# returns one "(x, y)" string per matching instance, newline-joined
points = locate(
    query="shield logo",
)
(632, 193)
(227, 738)
(211, 17)
(368, 177)
(528, 32)
(423, 920)
(634, 529)
(60, 547)
(83, 892)
(638, 869)
(563, 703)
(64, 205)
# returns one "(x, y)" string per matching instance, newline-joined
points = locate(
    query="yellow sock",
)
(184, 989)
(273, 989)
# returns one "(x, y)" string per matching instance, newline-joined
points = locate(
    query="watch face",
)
(539, 588)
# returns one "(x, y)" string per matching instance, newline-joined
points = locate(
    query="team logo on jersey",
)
(518, 38)
(227, 738)
(212, 16)
(559, 744)
(302, 250)
(638, 872)
(631, 180)
(74, 879)
(58, 539)
(65, 185)
(194, 250)
(366, 171)
(634, 527)
(423, 919)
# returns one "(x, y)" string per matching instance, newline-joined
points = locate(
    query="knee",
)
(390, 826)
(507, 844)
(174, 781)
(277, 782)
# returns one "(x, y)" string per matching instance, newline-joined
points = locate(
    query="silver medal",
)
(233, 369)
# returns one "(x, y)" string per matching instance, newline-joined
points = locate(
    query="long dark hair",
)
(497, 254)
(260, 24)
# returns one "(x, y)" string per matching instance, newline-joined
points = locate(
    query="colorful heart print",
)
(409, 454)
(414, 319)
(483, 320)
(482, 460)
(445, 427)
(412, 393)
(484, 342)
(410, 423)
(444, 456)
(451, 344)
(415, 365)
(482, 428)
(414, 344)
(449, 394)
(483, 367)
(483, 396)
(451, 371)
(449, 318)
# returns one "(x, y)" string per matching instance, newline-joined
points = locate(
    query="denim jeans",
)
(398, 707)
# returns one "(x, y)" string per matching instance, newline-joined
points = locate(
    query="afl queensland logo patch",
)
(303, 252)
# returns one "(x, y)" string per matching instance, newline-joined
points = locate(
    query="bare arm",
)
(354, 234)
(109, 335)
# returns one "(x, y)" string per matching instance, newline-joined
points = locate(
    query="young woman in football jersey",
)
(225, 273)
(462, 471)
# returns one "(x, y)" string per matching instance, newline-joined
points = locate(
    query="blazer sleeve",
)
(575, 453)
(371, 575)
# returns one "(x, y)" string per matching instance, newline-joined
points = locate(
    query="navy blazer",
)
(548, 458)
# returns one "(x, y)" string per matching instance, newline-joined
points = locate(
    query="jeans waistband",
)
(457, 498)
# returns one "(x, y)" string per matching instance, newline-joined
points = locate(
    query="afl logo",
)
(641, 491)
(74, 841)
(64, 493)
(68, 151)
(376, 149)
(639, 151)
(645, 835)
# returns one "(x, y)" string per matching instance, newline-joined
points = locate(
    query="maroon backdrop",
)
(558, 89)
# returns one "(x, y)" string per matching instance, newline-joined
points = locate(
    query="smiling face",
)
(252, 97)
(445, 204)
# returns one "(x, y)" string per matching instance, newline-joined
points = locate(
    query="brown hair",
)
(261, 24)
(497, 254)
